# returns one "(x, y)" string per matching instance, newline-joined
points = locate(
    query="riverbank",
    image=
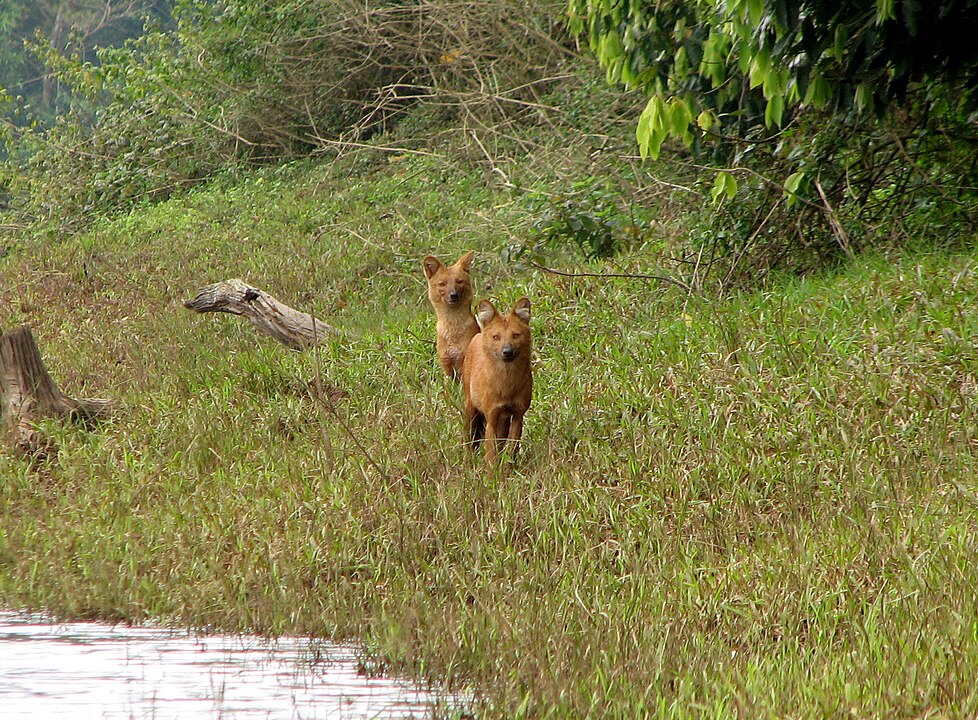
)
(761, 505)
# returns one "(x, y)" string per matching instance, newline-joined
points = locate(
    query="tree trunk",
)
(296, 329)
(57, 40)
(28, 394)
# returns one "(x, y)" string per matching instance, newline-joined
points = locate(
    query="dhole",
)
(450, 292)
(496, 377)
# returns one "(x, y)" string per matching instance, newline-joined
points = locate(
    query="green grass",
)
(760, 506)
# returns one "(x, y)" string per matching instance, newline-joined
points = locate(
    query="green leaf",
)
(610, 48)
(705, 120)
(755, 11)
(840, 42)
(864, 97)
(791, 185)
(819, 92)
(776, 83)
(774, 112)
(715, 51)
(680, 117)
(653, 127)
(760, 67)
(724, 186)
(745, 55)
(885, 10)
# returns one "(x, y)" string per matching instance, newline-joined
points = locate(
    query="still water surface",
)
(96, 670)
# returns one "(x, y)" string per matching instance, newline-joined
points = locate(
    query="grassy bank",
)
(760, 506)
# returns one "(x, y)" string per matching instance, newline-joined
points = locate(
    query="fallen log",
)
(28, 394)
(298, 330)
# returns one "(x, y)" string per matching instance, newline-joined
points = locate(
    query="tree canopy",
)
(74, 27)
(733, 64)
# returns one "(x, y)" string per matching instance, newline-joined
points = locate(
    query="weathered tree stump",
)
(28, 394)
(298, 330)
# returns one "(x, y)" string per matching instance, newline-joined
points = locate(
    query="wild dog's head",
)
(449, 284)
(505, 337)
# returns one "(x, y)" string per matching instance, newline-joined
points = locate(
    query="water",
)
(95, 670)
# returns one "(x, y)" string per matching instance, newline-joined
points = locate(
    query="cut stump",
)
(298, 330)
(28, 394)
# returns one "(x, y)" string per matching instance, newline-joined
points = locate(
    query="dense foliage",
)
(859, 116)
(745, 61)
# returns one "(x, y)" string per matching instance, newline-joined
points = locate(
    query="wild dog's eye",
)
(516, 335)
(441, 284)
(496, 336)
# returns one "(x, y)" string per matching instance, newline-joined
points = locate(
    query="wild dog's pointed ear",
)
(431, 265)
(484, 313)
(465, 262)
(522, 309)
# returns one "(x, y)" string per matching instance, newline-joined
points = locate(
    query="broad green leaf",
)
(715, 51)
(885, 10)
(724, 186)
(644, 129)
(819, 92)
(864, 97)
(610, 48)
(680, 116)
(680, 64)
(774, 111)
(840, 42)
(791, 185)
(776, 83)
(705, 120)
(745, 55)
(755, 11)
(652, 127)
(760, 67)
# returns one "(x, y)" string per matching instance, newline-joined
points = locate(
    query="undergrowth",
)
(760, 505)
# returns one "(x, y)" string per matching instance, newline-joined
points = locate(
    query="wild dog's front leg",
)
(515, 431)
(474, 425)
(493, 418)
(448, 367)
(451, 363)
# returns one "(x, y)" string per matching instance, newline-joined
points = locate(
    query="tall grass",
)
(758, 506)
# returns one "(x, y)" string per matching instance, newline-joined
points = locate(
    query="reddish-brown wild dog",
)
(450, 292)
(497, 379)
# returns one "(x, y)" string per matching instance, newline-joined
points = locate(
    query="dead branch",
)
(297, 330)
(630, 276)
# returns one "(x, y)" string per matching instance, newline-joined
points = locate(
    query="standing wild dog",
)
(450, 292)
(496, 377)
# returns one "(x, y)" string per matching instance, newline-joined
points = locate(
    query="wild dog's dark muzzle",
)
(509, 353)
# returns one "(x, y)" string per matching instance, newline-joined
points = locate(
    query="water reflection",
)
(96, 670)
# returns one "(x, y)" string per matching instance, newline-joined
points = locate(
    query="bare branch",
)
(630, 276)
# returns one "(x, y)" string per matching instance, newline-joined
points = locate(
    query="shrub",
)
(248, 81)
